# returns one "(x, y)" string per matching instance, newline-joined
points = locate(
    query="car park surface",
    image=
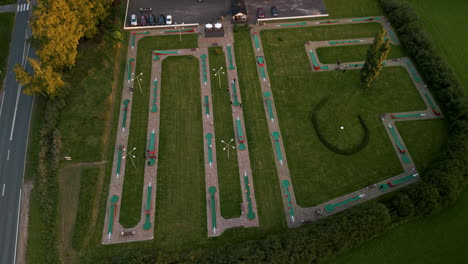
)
(209, 11)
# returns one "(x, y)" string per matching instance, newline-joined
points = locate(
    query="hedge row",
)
(353, 150)
(447, 175)
(47, 184)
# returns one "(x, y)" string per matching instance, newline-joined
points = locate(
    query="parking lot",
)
(208, 11)
(286, 8)
(182, 11)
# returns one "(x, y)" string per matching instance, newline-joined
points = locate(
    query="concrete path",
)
(8, 8)
(295, 214)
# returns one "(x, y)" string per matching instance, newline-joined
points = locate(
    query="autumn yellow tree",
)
(90, 13)
(58, 31)
(45, 81)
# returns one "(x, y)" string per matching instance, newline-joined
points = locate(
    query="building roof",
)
(238, 6)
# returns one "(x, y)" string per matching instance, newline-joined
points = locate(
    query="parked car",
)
(169, 20)
(143, 20)
(152, 20)
(133, 20)
(274, 11)
(161, 20)
(260, 13)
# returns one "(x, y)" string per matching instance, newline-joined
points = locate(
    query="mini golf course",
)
(189, 102)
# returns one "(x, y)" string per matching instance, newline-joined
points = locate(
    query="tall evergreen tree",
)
(376, 55)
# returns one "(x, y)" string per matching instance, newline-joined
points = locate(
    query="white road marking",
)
(1, 104)
(25, 54)
(27, 6)
(17, 225)
(14, 115)
(22, 8)
(3, 190)
(18, 8)
(8, 155)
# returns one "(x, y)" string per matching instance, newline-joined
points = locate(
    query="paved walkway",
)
(295, 214)
(8, 8)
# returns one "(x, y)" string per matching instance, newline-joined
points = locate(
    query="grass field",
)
(133, 181)
(228, 170)
(319, 174)
(88, 183)
(355, 8)
(353, 53)
(6, 27)
(101, 60)
(180, 197)
(445, 31)
(437, 239)
(424, 139)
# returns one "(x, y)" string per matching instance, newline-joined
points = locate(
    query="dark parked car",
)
(274, 11)
(143, 20)
(152, 20)
(162, 20)
(260, 13)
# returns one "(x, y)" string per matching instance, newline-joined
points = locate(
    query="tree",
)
(376, 55)
(90, 13)
(45, 81)
(57, 31)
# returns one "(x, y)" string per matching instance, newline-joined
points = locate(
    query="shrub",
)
(329, 145)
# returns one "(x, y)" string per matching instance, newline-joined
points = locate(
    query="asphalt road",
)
(15, 112)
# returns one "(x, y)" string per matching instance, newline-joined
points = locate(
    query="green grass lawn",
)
(133, 181)
(228, 170)
(180, 201)
(6, 27)
(446, 30)
(352, 53)
(88, 183)
(317, 173)
(424, 139)
(355, 8)
(433, 240)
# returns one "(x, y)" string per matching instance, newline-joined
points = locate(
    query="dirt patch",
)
(24, 220)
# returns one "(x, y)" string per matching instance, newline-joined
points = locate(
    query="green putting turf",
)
(318, 174)
(352, 53)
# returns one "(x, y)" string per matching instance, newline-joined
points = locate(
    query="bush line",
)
(353, 150)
